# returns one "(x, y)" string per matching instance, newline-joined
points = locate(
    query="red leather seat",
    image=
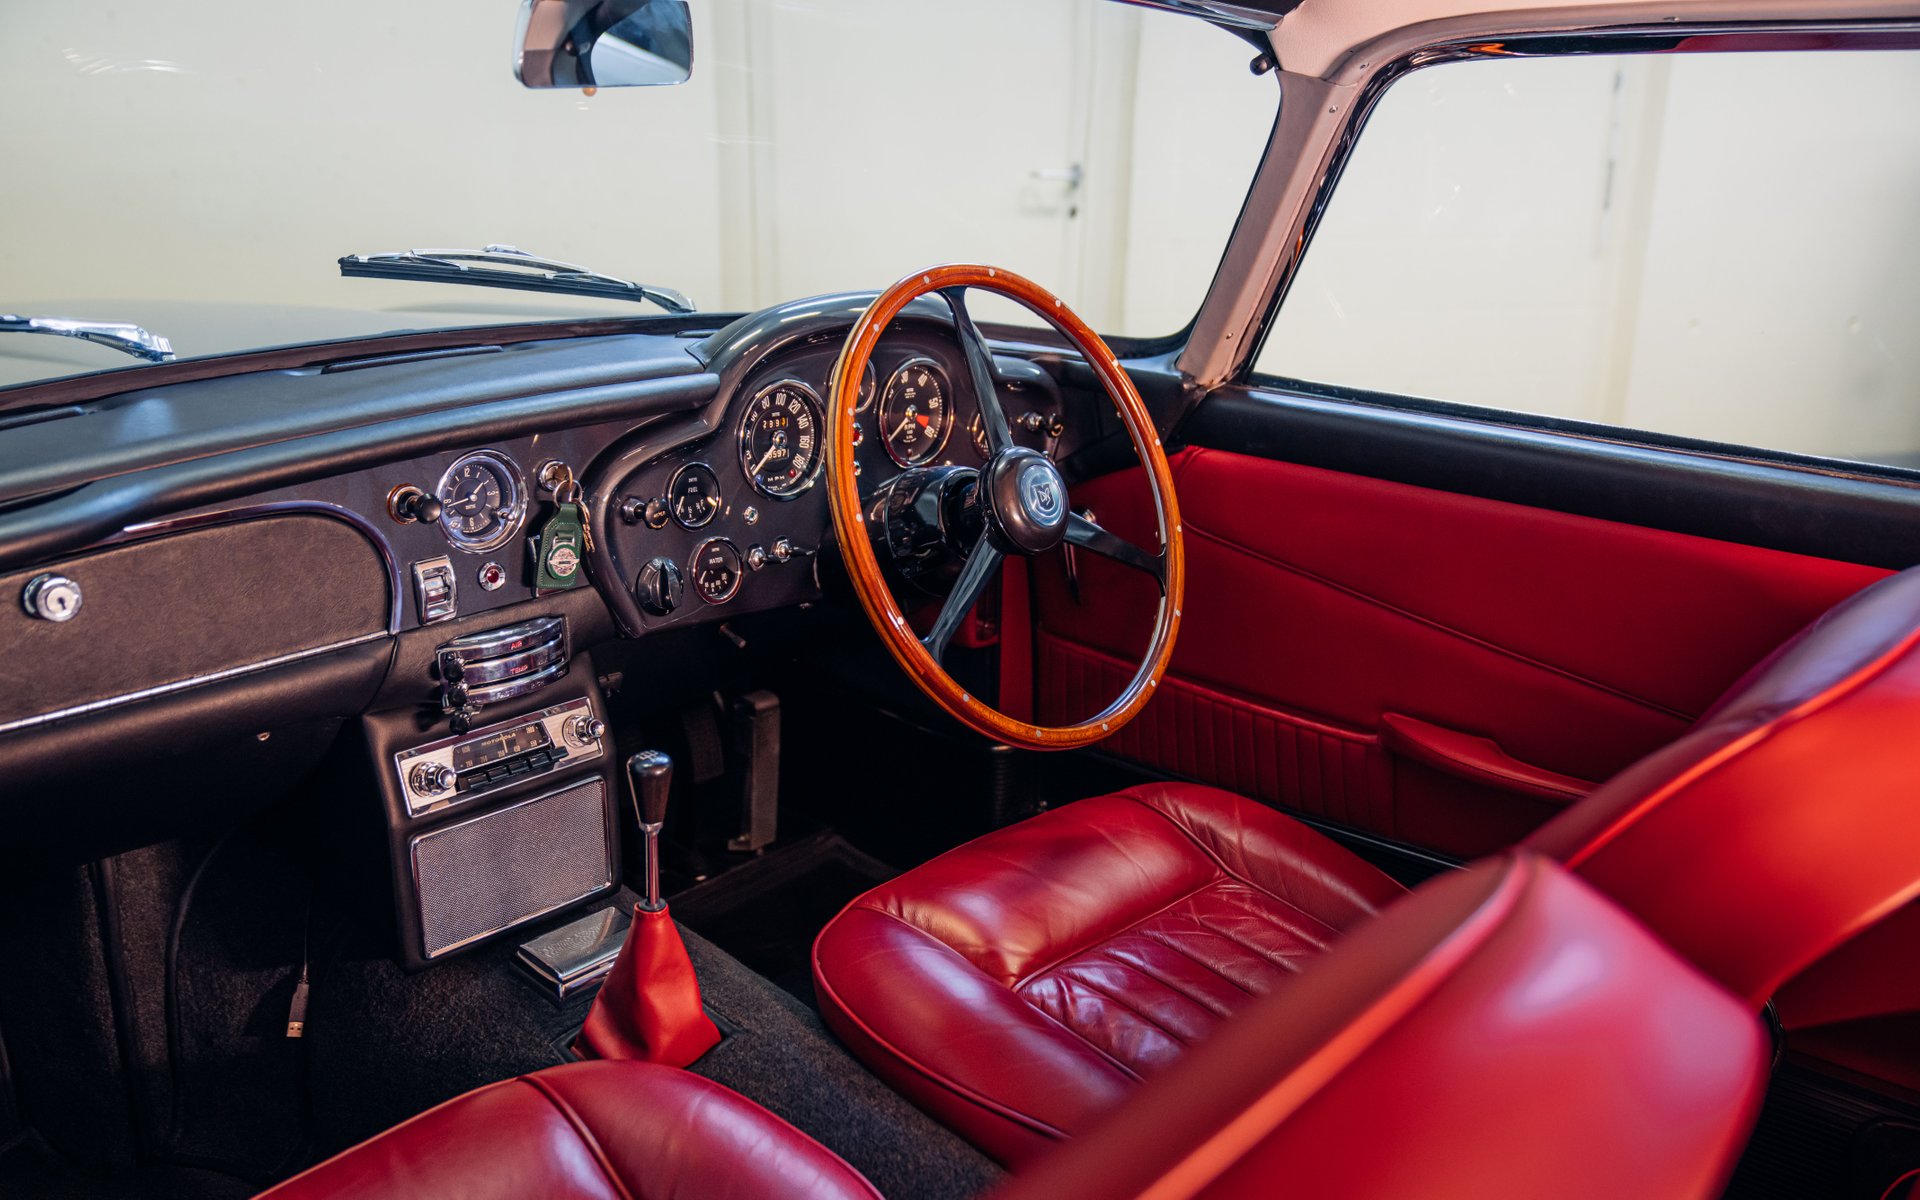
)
(1503, 1032)
(1026, 982)
(593, 1131)
(1786, 820)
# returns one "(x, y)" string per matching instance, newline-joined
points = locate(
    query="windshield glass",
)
(198, 167)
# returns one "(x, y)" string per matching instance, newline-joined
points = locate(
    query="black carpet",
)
(780, 1055)
(767, 912)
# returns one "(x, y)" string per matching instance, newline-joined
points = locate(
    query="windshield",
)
(199, 167)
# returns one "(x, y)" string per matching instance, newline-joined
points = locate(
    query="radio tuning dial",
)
(431, 779)
(586, 730)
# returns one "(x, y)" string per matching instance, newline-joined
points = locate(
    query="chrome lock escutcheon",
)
(51, 597)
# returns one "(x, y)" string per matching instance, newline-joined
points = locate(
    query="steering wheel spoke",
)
(1023, 498)
(973, 344)
(1086, 535)
(967, 590)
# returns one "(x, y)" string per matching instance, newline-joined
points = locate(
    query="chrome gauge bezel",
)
(693, 569)
(673, 493)
(513, 509)
(819, 438)
(880, 404)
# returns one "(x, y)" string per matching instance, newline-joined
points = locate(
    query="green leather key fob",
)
(560, 549)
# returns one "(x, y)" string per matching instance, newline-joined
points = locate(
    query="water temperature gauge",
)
(716, 570)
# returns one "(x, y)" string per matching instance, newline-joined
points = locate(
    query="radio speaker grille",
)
(493, 871)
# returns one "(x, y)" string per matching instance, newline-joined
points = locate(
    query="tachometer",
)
(482, 501)
(915, 417)
(780, 439)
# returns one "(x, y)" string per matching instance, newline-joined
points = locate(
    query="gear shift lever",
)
(649, 1008)
(650, 773)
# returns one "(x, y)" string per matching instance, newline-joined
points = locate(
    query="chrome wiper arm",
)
(508, 267)
(130, 339)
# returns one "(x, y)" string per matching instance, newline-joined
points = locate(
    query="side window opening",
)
(1715, 246)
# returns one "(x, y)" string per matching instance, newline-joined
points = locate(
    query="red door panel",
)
(1522, 651)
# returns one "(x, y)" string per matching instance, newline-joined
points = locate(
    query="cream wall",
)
(1720, 246)
(227, 149)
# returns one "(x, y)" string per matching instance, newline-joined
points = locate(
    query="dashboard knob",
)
(431, 779)
(410, 504)
(660, 587)
(782, 550)
(587, 730)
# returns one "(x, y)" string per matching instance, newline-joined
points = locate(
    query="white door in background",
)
(897, 80)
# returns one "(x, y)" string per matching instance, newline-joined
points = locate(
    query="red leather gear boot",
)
(649, 1007)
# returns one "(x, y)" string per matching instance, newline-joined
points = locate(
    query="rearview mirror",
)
(604, 43)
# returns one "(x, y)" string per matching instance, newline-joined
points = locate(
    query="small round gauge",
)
(915, 417)
(780, 439)
(977, 429)
(869, 385)
(693, 495)
(482, 501)
(716, 569)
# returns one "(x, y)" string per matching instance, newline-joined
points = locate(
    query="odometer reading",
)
(780, 439)
(716, 570)
(915, 417)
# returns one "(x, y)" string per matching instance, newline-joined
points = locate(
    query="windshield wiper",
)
(507, 267)
(120, 336)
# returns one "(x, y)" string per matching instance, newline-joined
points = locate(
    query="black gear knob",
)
(651, 774)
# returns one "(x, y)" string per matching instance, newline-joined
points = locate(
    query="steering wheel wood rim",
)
(914, 655)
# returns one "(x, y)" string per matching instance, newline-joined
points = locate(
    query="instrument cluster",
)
(735, 523)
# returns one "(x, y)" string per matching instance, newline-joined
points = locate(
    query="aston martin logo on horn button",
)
(1040, 493)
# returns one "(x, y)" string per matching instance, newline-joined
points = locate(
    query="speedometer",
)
(915, 417)
(779, 438)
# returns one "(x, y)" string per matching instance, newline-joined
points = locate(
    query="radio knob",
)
(431, 779)
(586, 730)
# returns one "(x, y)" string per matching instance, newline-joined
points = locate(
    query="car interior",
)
(850, 748)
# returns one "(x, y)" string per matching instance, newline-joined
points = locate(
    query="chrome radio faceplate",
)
(454, 770)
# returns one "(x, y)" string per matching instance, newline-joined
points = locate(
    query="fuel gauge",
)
(693, 495)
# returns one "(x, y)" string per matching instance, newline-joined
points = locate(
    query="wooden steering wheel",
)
(1023, 499)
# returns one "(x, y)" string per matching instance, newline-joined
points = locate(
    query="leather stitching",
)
(579, 1124)
(1170, 944)
(1088, 985)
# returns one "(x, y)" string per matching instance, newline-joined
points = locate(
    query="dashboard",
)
(234, 560)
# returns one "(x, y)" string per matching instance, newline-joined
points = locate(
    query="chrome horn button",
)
(1026, 500)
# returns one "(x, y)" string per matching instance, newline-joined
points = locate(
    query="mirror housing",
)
(603, 43)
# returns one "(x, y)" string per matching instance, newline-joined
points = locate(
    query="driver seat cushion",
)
(1026, 982)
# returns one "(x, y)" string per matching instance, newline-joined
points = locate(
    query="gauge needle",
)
(910, 419)
(779, 444)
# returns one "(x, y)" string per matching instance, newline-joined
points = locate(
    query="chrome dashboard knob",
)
(586, 730)
(431, 779)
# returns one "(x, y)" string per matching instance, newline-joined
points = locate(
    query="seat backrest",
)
(1788, 818)
(1503, 1032)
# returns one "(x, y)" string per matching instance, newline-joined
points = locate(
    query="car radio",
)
(456, 769)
